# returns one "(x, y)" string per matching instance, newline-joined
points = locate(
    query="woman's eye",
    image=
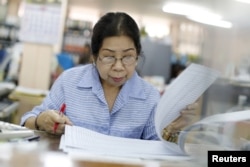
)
(109, 57)
(128, 57)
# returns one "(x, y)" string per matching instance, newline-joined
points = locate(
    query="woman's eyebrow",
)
(109, 50)
(129, 49)
(125, 50)
(106, 50)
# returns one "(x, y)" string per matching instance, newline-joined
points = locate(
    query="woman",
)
(107, 96)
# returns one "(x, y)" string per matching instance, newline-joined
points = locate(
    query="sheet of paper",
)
(93, 142)
(184, 90)
(128, 158)
(62, 143)
(227, 117)
(213, 121)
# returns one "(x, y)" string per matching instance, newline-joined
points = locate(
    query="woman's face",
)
(116, 61)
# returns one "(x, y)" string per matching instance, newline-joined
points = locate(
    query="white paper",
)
(31, 91)
(94, 142)
(184, 90)
(41, 23)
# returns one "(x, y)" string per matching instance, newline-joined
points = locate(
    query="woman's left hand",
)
(188, 116)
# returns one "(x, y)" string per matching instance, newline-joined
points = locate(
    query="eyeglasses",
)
(126, 60)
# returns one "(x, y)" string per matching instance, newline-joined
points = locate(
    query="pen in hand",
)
(62, 109)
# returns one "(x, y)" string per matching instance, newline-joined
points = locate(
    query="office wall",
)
(13, 6)
(223, 47)
(220, 47)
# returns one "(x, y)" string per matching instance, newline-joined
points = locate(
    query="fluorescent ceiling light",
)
(218, 23)
(243, 1)
(196, 13)
(188, 10)
(177, 8)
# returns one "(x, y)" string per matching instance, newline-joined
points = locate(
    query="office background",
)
(66, 27)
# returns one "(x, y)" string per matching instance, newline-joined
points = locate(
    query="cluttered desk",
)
(82, 147)
(38, 148)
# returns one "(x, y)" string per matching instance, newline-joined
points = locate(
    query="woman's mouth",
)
(117, 79)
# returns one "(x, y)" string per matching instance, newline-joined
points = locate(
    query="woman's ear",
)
(93, 59)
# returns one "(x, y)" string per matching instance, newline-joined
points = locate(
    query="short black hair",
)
(115, 24)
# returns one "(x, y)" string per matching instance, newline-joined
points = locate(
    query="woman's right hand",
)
(46, 121)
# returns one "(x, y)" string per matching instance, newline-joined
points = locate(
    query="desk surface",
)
(53, 141)
(53, 156)
(240, 83)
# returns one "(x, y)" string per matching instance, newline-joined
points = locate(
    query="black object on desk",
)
(26, 139)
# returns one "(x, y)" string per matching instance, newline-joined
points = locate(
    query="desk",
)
(52, 156)
(223, 95)
(240, 83)
(53, 141)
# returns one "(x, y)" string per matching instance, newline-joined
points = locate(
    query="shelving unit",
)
(188, 39)
(8, 34)
(77, 33)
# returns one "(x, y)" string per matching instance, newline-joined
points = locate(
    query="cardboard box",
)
(26, 103)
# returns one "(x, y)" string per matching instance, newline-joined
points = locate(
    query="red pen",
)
(62, 109)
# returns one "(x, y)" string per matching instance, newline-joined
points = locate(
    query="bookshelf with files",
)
(8, 34)
(8, 39)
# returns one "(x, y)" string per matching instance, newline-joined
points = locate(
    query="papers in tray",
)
(31, 91)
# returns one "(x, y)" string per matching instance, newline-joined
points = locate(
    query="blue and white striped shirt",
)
(80, 89)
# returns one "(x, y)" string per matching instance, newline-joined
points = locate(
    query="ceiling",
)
(232, 11)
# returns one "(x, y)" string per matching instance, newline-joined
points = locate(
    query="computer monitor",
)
(157, 60)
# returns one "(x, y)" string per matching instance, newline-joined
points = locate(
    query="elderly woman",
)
(107, 96)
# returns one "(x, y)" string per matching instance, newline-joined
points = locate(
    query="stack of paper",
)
(81, 139)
